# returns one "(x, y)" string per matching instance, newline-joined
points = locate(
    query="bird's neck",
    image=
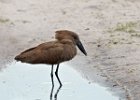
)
(67, 41)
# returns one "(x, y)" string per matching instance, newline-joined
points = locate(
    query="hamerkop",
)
(53, 52)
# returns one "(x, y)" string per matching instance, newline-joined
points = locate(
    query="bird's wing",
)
(43, 45)
(49, 53)
(28, 50)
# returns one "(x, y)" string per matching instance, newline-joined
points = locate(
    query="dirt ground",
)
(109, 29)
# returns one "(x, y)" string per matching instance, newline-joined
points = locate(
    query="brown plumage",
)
(53, 52)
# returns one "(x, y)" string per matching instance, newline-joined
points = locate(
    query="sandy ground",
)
(109, 30)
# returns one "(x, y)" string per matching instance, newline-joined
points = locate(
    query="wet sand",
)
(109, 30)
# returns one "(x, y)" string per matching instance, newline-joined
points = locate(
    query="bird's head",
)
(65, 34)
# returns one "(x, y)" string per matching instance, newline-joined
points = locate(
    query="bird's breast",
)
(69, 52)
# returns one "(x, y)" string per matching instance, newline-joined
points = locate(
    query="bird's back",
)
(53, 52)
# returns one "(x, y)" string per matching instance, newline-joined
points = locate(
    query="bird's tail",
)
(20, 58)
(26, 56)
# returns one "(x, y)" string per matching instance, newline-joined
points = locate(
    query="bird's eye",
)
(75, 37)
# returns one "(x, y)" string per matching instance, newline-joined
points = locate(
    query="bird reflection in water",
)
(52, 80)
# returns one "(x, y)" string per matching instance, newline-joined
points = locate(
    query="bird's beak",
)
(80, 46)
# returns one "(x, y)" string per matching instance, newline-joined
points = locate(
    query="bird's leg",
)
(52, 76)
(55, 96)
(51, 94)
(52, 71)
(56, 73)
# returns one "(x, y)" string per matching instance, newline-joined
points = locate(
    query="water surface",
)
(33, 82)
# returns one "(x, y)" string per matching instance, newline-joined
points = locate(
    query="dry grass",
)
(4, 20)
(128, 27)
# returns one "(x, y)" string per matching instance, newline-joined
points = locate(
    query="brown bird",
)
(53, 52)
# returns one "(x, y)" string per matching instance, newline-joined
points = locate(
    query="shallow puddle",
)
(33, 82)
